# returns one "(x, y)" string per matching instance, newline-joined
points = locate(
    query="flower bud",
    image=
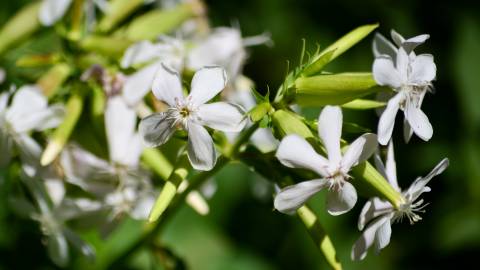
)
(54, 78)
(157, 22)
(333, 89)
(338, 48)
(117, 11)
(22, 25)
(363, 104)
(109, 46)
(259, 111)
(286, 123)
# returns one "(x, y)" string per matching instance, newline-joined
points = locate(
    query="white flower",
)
(28, 111)
(191, 113)
(410, 76)
(296, 152)
(380, 214)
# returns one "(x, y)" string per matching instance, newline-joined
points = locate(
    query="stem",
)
(194, 182)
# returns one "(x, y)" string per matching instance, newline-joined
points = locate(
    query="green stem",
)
(194, 183)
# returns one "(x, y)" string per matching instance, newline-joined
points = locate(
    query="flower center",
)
(410, 210)
(182, 112)
(336, 180)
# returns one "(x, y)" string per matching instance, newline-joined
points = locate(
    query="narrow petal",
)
(384, 72)
(391, 167)
(419, 185)
(330, 130)
(52, 10)
(139, 84)
(341, 201)
(207, 83)
(142, 208)
(295, 152)
(387, 119)
(120, 123)
(222, 116)
(361, 246)
(410, 44)
(407, 131)
(382, 46)
(58, 249)
(79, 244)
(156, 129)
(397, 38)
(167, 85)
(289, 199)
(402, 64)
(382, 236)
(372, 209)
(418, 121)
(423, 69)
(140, 52)
(264, 140)
(359, 151)
(201, 151)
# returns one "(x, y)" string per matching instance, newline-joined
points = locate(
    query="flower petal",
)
(207, 83)
(407, 131)
(410, 44)
(359, 151)
(140, 52)
(384, 72)
(391, 167)
(361, 246)
(58, 249)
(52, 10)
(382, 236)
(201, 151)
(264, 140)
(418, 121)
(222, 116)
(156, 129)
(137, 85)
(382, 46)
(167, 85)
(397, 38)
(387, 119)
(120, 123)
(373, 208)
(289, 199)
(419, 185)
(423, 69)
(341, 201)
(295, 152)
(330, 130)
(402, 64)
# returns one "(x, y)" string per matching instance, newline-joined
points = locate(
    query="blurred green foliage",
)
(242, 231)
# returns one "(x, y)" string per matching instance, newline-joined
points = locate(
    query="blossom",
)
(28, 111)
(410, 76)
(296, 152)
(191, 113)
(53, 10)
(380, 214)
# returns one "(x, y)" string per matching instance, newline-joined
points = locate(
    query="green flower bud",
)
(259, 111)
(21, 26)
(338, 48)
(117, 12)
(286, 123)
(333, 89)
(363, 104)
(54, 78)
(109, 46)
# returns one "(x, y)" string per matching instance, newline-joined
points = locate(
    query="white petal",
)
(26, 102)
(201, 151)
(29, 149)
(397, 38)
(142, 208)
(222, 116)
(120, 122)
(134, 150)
(411, 43)
(423, 69)
(156, 129)
(289, 199)
(139, 84)
(372, 209)
(382, 46)
(387, 119)
(361, 246)
(402, 64)
(382, 236)
(407, 131)
(56, 190)
(384, 72)
(52, 10)
(79, 244)
(359, 151)
(4, 101)
(391, 167)
(418, 121)
(419, 185)
(140, 52)
(58, 249)
(207, 83)
(341, 201)
(295, 152)
(264, 140)
(167, 85)
(330, 130)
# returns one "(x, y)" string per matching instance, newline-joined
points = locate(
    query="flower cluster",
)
(89, 135)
